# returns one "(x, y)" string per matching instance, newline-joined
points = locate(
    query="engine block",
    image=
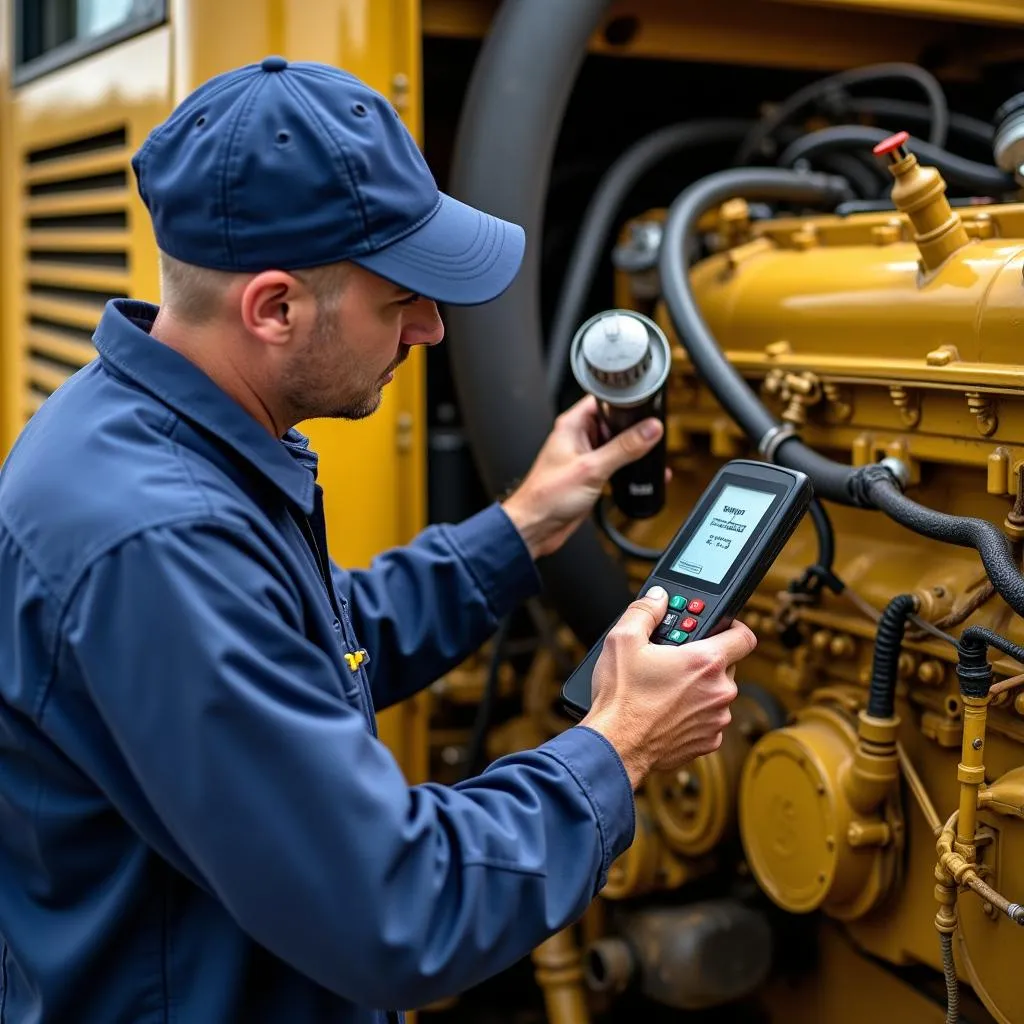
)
(849, 335)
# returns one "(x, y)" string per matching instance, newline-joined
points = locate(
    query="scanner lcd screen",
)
(728, 525)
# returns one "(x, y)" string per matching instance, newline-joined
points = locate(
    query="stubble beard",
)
(309, 391)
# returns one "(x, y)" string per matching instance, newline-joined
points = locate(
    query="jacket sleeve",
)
(419, 610)
(188, 641)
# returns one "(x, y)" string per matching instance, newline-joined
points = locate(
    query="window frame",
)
(62, 56)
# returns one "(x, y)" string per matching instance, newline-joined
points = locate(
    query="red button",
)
(688, 625)
(695, 606)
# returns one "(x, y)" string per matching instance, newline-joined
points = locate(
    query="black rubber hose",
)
(973, 669)
(956, 169)
(988, 540)
(888, 639)
(864, 179)
(831, 480)
(904, 110)
(599, 219)
(845, 79)
(501, 163)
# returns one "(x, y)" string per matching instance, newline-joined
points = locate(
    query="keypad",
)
(682, 618)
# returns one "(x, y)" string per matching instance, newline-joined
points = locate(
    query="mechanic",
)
(198, 822)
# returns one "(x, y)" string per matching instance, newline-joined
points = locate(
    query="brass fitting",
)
(799, 390)
(920, 193)
(945, 896)
(954, 872)
(875, 768)
(1014, 523)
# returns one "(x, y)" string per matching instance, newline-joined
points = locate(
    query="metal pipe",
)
(559, 974)
(920, 793)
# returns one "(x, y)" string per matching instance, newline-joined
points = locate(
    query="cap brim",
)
(459, 256)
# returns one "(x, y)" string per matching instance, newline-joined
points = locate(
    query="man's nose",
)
(424, 326)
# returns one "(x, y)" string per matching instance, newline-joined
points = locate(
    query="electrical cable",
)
(623, 543)
(869, 611)
(956, 169)
(926, 81)
(952, 984)
(599, 219)
(476, 747)
(826, 536)
(885, 668)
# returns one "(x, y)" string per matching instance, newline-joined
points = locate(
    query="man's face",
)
(364, 329)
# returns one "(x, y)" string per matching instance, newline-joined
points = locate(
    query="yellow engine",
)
(893, 334)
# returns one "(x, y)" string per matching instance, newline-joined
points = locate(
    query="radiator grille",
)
(76, 252)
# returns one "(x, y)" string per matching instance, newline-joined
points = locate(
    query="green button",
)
(677, 636)
(678, 603)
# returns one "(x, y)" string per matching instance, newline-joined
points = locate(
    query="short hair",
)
(195, 294)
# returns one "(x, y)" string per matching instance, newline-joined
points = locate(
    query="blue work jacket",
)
(198, 823)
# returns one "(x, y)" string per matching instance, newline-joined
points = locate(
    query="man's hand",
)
(569, 473)
(661, 706)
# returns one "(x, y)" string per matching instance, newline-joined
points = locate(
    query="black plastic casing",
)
(792, 492)
(638, 488)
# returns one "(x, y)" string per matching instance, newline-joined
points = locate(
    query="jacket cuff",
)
(498, 558)
(598, 770)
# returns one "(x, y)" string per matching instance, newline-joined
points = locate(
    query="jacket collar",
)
(123, 340)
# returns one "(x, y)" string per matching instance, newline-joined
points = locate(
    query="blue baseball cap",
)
(282, 166)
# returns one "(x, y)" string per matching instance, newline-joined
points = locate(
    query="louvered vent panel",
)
(76, 252)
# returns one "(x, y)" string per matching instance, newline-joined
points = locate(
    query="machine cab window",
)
(51, 33)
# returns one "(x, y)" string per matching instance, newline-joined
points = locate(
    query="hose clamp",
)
(899, 469)
(770, 443)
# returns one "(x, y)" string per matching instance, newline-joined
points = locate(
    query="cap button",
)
(274, 63)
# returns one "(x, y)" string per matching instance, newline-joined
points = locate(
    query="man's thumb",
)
(629, 445)
(655, 602)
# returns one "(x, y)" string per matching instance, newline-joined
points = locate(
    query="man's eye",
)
(410, 300)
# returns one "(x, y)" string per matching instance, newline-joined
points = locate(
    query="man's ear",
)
(276, 307)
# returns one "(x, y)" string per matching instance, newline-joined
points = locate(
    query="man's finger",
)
(581, 413)
(735, 643)
(628, 446)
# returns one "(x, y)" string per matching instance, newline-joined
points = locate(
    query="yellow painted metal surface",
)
(54, 287)
(1003, 11)
(834, 991)
(777, 33)
(10, 387)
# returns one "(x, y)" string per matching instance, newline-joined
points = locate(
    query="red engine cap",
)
(892, 143)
